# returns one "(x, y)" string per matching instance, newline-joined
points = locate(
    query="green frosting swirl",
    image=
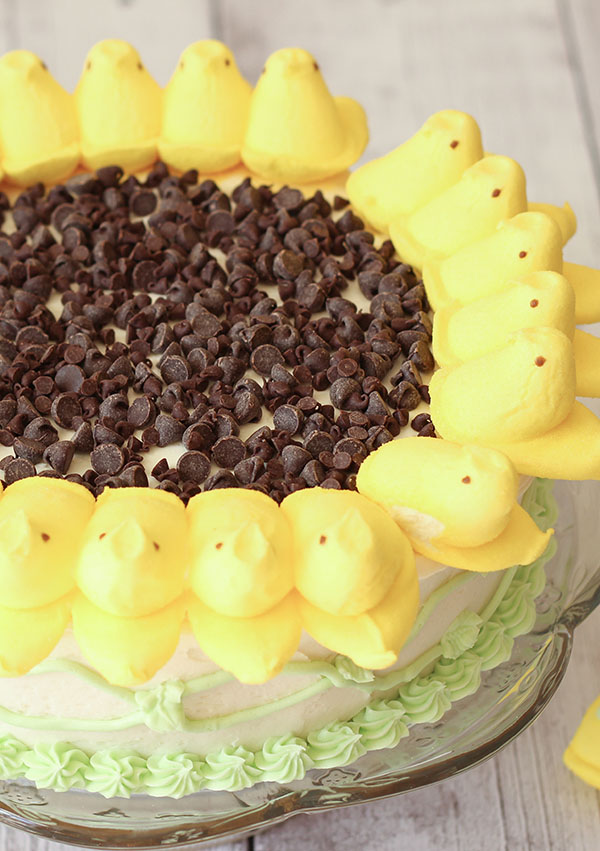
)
(283, 759)
(56, 765)
(161, 706)
(538, 501)
(352, 672)
(231, 768)
(381, 724)
(517, 612)
(461, 635)
(494, 644)
(461, 676)
(11, 757)
(115, 773)
(174, 775)
(425, 700)
(335, 744)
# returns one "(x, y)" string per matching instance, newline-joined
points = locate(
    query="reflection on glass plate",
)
(509, 699)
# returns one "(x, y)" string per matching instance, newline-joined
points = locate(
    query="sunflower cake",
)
(279, 439)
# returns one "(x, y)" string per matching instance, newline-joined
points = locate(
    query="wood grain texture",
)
(528, 70)
(62, 31)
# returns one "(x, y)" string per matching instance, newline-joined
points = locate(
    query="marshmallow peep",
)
(253, 649)
(42, 521)
(563, 216)
(490, 191)
(28, 636)
(134, 553)
(422, 167)
(297, 132)
(240, 550)
(586, 283)
(529, 242)
(355, 571)
(127, 651)
(582, 756)
(118, 108)
(464, 332)
(243, 614)
(457, 504)
(205, 110)
(520, 399)
(461, 333)
(39, 138)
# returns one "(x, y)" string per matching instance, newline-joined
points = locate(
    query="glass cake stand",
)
(510, 698)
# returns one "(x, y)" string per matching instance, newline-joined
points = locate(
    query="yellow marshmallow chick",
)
(563, 216)
(520, 399)
(205, 110)
(586, 283)
(243, 615)
(411, 175)
(582, 756)
(529, 242)
(28, 636)
(41, 526)
(39, 137)
(471, 518)
(118, 108)
(253, 649)
(297, 132)
(355, 571)
(491, 190)
(127, 650)
(134, 553)
(461, 333)
(464, 332)
(240, 550)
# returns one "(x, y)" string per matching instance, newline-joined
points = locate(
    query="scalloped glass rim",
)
(510, 698)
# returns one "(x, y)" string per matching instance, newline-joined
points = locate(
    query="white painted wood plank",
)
(16, 840)
(62, 31)
(504, 62)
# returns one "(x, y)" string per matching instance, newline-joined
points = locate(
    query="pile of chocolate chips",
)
(147, 257)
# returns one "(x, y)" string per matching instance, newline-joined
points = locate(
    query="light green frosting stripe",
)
(382, 723)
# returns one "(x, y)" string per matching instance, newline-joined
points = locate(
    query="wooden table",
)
(529, 71)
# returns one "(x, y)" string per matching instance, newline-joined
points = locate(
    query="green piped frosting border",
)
(472, 644)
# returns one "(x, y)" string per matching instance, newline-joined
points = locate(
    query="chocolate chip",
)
(313, 473)
(69, 378)
(264, 358)
(142, 412)
(228, 451)
(142, 203)
(288, 418)
(169, 429)
(134, 476)
(193, 467)
(221, 479)
(83, 439)
(287, 264)
(26, 447)
(18, 468)
(42, 430)
(64, 409)
(107, 458)
(249, 470)
(174, 368)
(59, 455)
(247, 407)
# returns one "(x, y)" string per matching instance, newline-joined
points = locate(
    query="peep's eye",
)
(316, 66)
(44, 66)
(228, 61)
(181, 65)
(140, 66)
(88, 65)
